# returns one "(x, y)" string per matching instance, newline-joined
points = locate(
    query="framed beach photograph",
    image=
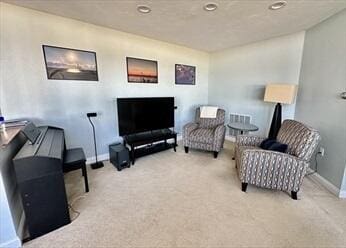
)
(185, 74)
(141, 71)
(70, 64)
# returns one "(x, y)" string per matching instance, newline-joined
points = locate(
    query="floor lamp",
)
(97, 164)
(280, 94)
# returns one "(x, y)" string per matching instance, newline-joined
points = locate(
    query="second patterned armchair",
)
(276, 170)
(205, 133)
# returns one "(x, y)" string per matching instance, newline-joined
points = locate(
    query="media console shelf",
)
(142, 144)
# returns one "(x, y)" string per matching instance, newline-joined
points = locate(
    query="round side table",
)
(242, 127)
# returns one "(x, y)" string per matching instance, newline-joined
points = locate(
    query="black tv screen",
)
(137, 115)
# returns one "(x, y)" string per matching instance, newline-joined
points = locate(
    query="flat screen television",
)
(137, 115)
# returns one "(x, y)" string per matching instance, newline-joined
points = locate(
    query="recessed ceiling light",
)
(277, 5)
(143, 9)
(210, 6)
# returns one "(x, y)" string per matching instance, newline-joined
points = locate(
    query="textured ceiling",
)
(184, 22)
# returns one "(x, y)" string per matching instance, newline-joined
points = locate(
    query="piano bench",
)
(74, 159)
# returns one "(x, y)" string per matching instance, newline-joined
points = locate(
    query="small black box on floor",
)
(119, 156)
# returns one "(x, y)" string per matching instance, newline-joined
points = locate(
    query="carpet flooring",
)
(193, 200)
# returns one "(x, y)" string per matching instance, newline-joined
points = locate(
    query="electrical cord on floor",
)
(70, 205)
(316, 165)
(74, 211)
(77, 198)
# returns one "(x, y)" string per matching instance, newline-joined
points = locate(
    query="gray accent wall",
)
(238, 76)
(322, 79)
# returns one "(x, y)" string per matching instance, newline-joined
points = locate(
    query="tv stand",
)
(146, 143)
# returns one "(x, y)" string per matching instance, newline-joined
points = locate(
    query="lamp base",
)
(276, 122)
(96, 165)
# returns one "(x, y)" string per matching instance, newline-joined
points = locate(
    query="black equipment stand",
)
(146, 140)
(97, 164)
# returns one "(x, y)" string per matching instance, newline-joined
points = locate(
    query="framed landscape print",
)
(141, 71)
(70, 64)
(185, 74)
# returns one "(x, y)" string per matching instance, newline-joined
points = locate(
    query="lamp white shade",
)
(280, 93)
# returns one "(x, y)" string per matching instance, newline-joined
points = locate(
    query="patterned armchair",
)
(205, 133)
(275, 170)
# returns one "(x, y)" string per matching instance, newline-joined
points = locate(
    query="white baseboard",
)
(315, 177)
(100, 157)
(230, 138)
(14, 243)
(329, 186)
(105, 156)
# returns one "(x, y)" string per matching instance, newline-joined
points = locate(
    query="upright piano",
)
(38, 166)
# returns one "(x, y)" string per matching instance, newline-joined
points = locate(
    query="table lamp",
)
(280, 94)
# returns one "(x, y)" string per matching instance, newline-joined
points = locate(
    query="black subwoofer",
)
(119, 156)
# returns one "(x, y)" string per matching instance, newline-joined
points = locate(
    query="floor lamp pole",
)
(97, 164)
(276, 122)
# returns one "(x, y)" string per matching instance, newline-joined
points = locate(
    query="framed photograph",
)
(141, 71)
(70, 64)
(185, 74)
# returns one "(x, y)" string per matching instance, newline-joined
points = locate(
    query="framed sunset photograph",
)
(70, 64)
(141, 71)
(185, 74)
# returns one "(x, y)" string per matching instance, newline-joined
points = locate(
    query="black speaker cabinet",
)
(119, 156)
(45, 204)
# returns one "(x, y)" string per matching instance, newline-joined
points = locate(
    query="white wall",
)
(8, 235)
(236, 80)
(26, 92)
(319, 104)
(238, 77)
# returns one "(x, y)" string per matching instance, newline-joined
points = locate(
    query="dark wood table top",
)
(8, 135)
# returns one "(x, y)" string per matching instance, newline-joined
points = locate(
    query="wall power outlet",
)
(321, 151)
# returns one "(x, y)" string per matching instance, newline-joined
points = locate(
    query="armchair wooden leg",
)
(294, 195)
(186, 149)
(215, 154)
(243, 187)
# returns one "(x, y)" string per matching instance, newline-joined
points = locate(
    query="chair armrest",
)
(219, 137)
(249, 140)
(219, 130)
(274, 169)
(188, 128)
(262, 152)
